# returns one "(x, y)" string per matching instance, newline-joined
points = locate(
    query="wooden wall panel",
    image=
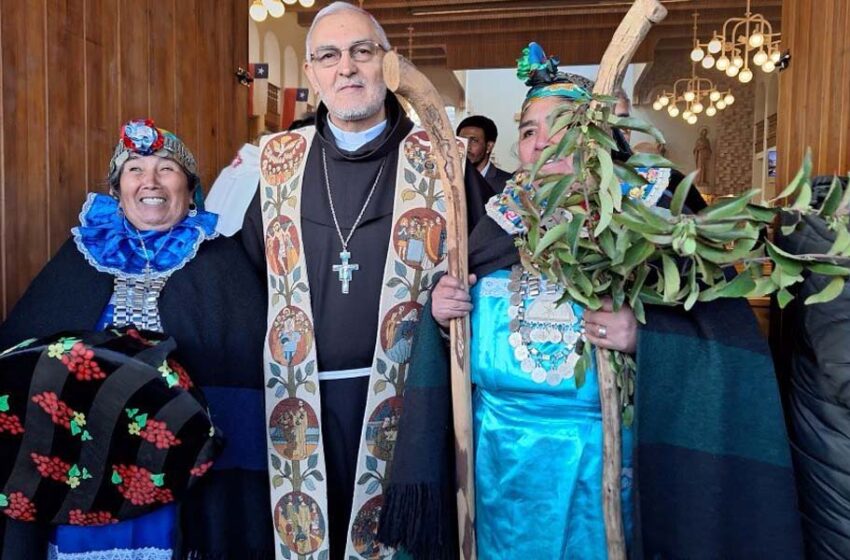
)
(66, 112)
(162, 98)
(187, 92)
(72, 72)
(25, 232)
(101, 70)
(814, 98)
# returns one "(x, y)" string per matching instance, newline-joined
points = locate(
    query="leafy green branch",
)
(585, 231)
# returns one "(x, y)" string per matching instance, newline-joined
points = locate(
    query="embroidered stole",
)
(293, 412)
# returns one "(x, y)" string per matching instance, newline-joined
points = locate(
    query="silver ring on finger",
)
(602, 331)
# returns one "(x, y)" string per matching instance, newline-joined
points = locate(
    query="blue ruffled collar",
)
(112, 244)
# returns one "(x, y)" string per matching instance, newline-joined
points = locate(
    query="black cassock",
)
(346, 325)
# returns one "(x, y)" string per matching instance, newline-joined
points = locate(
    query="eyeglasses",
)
(361, 51)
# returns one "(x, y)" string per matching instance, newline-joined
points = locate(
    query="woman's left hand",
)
(614, 330)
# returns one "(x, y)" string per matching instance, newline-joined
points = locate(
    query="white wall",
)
(290, 40)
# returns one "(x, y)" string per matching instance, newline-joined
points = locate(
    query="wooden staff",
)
(628, 36)
(404, 79)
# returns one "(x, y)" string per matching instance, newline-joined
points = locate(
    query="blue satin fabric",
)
(112, 244)
(538, 448)
(150, 536)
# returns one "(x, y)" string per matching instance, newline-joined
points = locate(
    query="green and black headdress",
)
(541, 74)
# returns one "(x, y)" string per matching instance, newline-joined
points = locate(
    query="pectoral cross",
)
(345, 269)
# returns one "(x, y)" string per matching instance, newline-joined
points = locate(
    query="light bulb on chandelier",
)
(714, 46)
(721, 105)
(689, 96)
(775, 56)
(760, 58)
(738, 61)
(732, 71)
(729, 99)
(673, 111)
(745, 76)
(664, 100)
(275, 7)
(756, 40)
(714, 96)
(711, 111)
(258, 11)
(307, 3)
(687, 114)
(692, 119)
(657, 105)
(707, 62)
(697, 108)
(697, 54)
(290, 2)
(722, 63)
(768, 66)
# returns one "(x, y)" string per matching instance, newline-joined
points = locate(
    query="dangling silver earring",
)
(193, 210)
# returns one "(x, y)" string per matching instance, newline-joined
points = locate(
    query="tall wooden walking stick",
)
(628, 36)
(404, 79)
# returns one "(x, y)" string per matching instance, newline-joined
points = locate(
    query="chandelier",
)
(697, 94)
(260, 9)
(730, 53)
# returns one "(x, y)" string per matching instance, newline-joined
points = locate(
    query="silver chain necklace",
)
(345, 268)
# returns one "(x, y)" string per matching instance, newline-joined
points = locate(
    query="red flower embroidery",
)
(51, 467)
(20, 507)
(78, 517)
(137, 485)
(10, 423)
(158, 434)
(59, 412)
(201, 470)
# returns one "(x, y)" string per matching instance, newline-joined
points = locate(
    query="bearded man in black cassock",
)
(349, 225)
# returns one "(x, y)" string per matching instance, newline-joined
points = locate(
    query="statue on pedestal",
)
(702, 159)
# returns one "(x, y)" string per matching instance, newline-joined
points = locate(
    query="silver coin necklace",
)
(535, 319)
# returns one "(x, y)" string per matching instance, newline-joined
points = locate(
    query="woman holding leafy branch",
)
(703, 441)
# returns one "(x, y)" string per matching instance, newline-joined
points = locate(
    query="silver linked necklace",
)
(137, 299)
(345, 268)
(545, 337)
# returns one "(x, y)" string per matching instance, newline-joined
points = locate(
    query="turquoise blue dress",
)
(538, 445)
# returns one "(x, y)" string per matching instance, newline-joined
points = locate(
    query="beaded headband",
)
(141, 137)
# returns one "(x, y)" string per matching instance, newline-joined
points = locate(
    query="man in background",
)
(481, 133)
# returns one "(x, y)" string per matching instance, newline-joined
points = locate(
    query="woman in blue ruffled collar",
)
(145, 229)
(147, 255)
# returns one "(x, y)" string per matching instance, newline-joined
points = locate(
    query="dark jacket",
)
(497, 178)
(816, 339)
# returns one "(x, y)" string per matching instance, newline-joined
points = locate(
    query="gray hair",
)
(338, 7)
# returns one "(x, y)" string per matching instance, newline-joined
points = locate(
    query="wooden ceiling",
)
(464, 34)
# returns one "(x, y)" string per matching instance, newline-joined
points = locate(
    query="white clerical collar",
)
(351, 141)
(486, 168)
